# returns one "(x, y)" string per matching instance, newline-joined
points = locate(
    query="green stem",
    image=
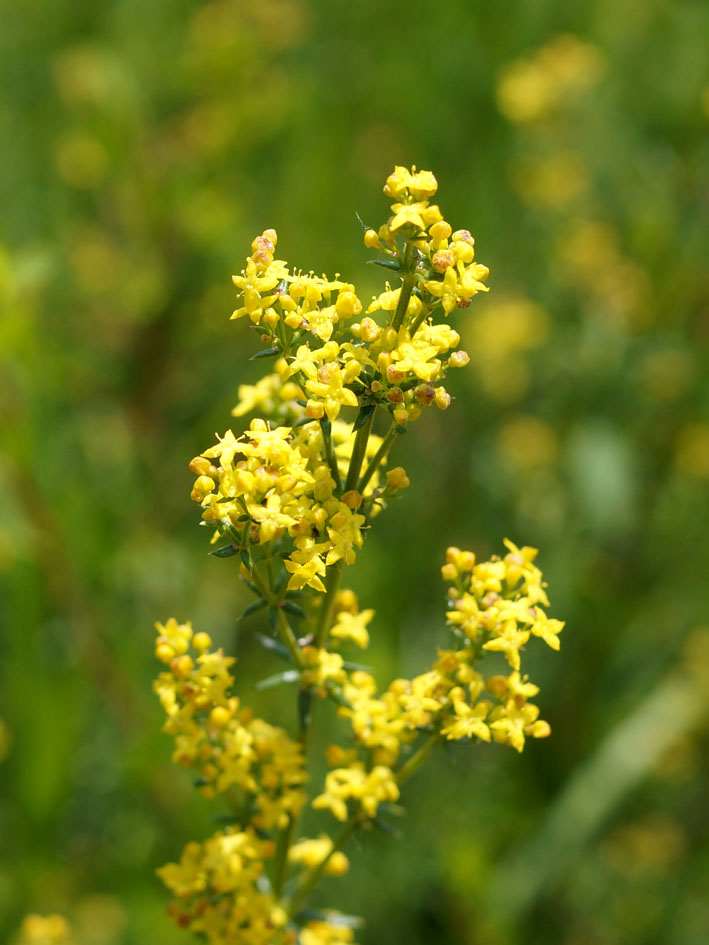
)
(288, 638)
(311, 879)
(407, 287)
(378, 457)
(423, 315)
(280, 865)
(324, 621)
(330, 453)
(417, 759)
(359, 451)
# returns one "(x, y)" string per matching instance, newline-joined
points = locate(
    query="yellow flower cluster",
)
(297, 480)
(227, 746)
(221, 891)
(274, 484)
(293, 496)
(495, 606)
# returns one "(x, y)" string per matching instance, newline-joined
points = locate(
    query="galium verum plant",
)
(290, 500)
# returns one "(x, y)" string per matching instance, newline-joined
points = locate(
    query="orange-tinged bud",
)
(497, 685)
(425, 394)
(369, 331)
(395, 395)
(443, 260)
(352, 499)
(442, 399)
(200, 466)
(459, 359)
(262, 258)
(182, 666)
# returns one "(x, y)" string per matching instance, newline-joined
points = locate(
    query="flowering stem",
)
(407, 287)
(417, 759)
(326, 428)
(423, 315)
(288, 638)
(332, 583)
(378, 457)
(359, 451)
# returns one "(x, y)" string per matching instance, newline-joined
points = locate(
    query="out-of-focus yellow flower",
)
(552, 182)
(46, 930)
(531, 88)
(528, 443)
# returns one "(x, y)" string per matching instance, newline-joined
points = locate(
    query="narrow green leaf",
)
(385, 264)
(365, 412)
(266, 353)
(291, 607)
(386, 827)
(226, 551)
(278, 679)
(253, 608)
(274, 646)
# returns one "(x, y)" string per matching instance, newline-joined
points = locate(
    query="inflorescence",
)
(292, 498)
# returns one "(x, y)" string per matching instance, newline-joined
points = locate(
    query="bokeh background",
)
(144, 144)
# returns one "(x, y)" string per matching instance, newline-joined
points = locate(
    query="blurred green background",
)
(144, 144)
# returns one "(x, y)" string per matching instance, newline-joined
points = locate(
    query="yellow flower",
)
(353, 627)
(509, 641)
(467, 721)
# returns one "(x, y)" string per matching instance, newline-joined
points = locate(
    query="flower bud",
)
(442, 399)
(440, 231)
(397, 478)
(443, 260)
(219, 717)
(459, 359)
(369, 331)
